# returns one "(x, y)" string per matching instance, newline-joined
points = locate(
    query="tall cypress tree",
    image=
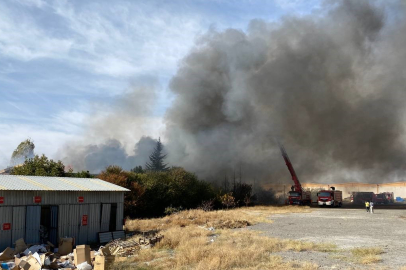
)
(156, 162)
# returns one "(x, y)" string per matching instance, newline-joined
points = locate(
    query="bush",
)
(155, 194)
(172, 210)
(228, 200)
(175, 188)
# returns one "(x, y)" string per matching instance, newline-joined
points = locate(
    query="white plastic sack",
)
(84, 266)
(36, 256)
(37, 248)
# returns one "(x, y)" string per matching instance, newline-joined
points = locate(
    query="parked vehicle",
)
(384, 198)
(297, 195)
(330, 197)
(360, 197)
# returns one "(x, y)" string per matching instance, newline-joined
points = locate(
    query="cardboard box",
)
(8, 254)
(20, 245)
(65, 246)
(82, 254)
(35, 262)
(105, 251)
(18, 260)
(24, 265)
(103, 262)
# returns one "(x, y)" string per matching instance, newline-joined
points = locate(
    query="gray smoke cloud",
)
(331, 86)
(97, 157)
(115, 132)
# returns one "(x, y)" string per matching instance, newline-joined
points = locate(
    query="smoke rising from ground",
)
(330, 86)
(116, 132)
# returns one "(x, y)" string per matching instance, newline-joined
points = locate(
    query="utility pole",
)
(234, 182)
(240, 175)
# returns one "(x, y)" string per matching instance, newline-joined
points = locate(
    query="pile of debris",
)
(47, 256)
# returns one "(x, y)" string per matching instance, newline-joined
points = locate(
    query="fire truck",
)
(330, 197)
(361, 197)
(297, 195)
(384, 198)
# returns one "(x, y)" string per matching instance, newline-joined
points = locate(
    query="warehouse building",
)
(41, 209)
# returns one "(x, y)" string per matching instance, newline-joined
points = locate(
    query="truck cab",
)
(295, 197)
(330, 197)
(299, 198)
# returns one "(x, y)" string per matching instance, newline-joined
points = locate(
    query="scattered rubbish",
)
(20, 245)
(37, 257)
(65, 246)
(8, 265)
(84, 266)
(7, 254)
(82, 254)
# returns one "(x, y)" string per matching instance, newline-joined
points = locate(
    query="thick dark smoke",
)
(331, 86)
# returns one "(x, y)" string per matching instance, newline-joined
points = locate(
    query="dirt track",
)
(347, 228)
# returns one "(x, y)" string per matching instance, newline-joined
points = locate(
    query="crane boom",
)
(298, 186)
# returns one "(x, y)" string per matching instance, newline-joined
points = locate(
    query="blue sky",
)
(63, 62)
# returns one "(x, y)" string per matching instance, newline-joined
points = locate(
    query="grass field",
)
(195, 239)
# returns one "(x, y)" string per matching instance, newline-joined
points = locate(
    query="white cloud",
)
(120, 41)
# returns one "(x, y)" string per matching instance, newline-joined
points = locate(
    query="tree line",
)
(155, 189)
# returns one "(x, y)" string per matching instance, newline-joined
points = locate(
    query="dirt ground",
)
(347, 228)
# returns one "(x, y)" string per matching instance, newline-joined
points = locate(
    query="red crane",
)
(297, 195)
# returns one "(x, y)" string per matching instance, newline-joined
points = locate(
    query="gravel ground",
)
(347, 228)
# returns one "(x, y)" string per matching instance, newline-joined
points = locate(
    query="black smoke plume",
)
(330, 85)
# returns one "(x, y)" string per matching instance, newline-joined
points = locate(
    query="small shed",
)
(41, 209)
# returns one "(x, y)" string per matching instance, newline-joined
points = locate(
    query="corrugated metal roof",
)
(22, 182)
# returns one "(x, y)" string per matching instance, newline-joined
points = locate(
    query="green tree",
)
(40, 166)
(156, 163)
(23, 151)
(81, 174)
(137, 169)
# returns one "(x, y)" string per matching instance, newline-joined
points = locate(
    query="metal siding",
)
(94, 222)
(18, 224)
(105, 218)
(83, 230)
(64, 221)
(24, 198)
(32, 224)
(6, 216)
(53, 232)
(120, 216)
(20, 182)
(74, 222)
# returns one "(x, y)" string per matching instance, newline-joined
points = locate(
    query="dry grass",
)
(243, 249)
(234, 218)
(367, 255)
(189, 245)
